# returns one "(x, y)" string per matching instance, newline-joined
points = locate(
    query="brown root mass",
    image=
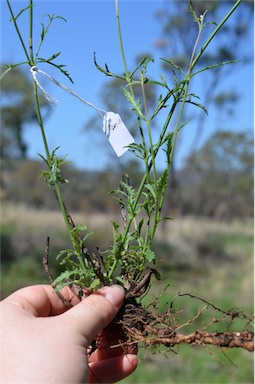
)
(142, 326)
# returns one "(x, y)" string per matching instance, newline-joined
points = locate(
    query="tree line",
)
(215, 181)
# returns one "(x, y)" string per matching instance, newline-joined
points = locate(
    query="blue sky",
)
(91, 26)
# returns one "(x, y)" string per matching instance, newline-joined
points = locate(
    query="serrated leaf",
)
(64, 276)
(151, 189)
(64, 253)
(149, 255)
(131, 236)
(53, 56)
(106, 71)
(79, 228)
(58, 66)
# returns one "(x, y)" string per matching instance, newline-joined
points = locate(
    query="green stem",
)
(18, 32)
(31, 32)
(127, 73)
(46, 148)
(40, 122)
(219, 26)
(74, 240)
(120, 37)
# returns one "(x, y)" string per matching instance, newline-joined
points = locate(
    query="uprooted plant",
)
(131, 261)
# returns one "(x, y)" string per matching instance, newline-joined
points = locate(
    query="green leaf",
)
(151, 189)
(195, 17)
(64, 253)
(64, 277)
(149, 255)
(197, 105)
(139, 228)
(215, 66)
(131, 236)
(106, 71)
(58, 66)
(144, 61)
(174, 65)
(5, 72)
(166, 218)
(135, 103)
(95, 284)
(79, 228)
(53, 56)
(119, 280)
(20, 13)
(156, 274)
(139, 150)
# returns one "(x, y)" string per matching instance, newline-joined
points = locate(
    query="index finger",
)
(41, 301)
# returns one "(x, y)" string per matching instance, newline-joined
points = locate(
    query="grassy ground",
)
(213, 260)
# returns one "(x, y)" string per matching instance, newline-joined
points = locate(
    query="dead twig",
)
(45, 262)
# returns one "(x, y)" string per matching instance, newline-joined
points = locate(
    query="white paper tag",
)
(117, 133)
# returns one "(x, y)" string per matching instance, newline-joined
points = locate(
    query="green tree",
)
(174, 44)
(217, 180)
(17, 110)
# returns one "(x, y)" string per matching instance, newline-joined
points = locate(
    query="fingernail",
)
(130, 363)
(114, 293)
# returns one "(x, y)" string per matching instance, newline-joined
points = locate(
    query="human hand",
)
(43, 342)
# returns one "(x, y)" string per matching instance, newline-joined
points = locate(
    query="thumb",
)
(96, 311)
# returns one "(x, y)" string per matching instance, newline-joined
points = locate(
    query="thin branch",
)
(46, 268)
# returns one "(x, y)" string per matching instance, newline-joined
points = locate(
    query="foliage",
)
(218, 175)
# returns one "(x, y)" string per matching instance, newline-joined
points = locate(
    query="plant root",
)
(142, 326)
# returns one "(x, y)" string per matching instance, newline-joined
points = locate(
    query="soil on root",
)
(136, 325)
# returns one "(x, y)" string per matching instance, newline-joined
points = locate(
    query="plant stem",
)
(219, 26)
(18, 32)
(40, 122)
(127, 73)
(74, 240)
(31, 32)
(120, 38)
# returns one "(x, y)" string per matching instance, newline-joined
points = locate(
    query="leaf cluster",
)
(33, 60)
(53, 175)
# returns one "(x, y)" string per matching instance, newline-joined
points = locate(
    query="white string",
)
(34, 70)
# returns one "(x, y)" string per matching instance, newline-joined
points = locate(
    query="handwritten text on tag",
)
(117, 133)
